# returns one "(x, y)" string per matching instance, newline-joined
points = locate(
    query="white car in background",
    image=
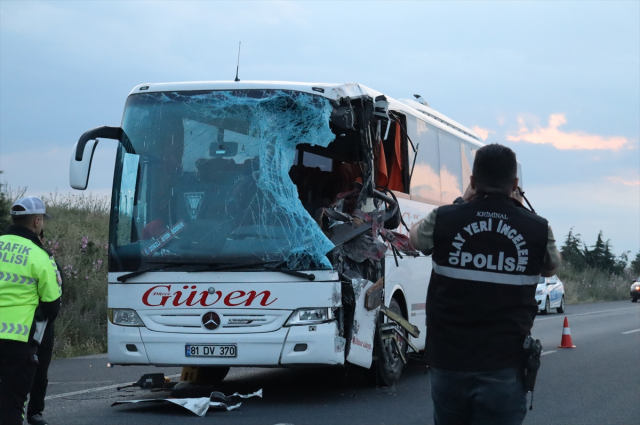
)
(550, 294)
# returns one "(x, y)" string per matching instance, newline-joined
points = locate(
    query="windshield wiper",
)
(128, 276)
(272, 268)
(309, 276)
(208, 268)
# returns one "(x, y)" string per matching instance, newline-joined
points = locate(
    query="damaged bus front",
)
(254, 224)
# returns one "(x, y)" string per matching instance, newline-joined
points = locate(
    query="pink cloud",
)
(482, 132)
(565, 140)
(618, 179)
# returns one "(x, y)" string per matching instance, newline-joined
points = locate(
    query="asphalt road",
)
(596, 383)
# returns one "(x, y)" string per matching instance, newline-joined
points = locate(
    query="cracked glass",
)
(206, 179)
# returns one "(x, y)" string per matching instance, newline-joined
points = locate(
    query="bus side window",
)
(468, 154)
(450, 166)
(425, 181)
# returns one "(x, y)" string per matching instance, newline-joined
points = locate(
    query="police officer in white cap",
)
(28, 278)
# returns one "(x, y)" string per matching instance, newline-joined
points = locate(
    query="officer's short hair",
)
(21, 220)
(495, 166)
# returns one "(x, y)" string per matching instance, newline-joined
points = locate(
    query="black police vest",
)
(487, 258)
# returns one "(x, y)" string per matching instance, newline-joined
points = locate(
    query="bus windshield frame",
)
(205, 180)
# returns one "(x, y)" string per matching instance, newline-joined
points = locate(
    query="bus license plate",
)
(211, 350)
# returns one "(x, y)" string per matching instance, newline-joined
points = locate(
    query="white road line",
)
(561, 316)
(544, 353)
(93, 390)
(630, 332)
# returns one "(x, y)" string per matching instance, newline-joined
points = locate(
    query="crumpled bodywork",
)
(364, 324)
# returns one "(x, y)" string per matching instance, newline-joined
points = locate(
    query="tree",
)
(600, 255)
(635, 265)
(5, 205)
(571, 250)
(621, 263)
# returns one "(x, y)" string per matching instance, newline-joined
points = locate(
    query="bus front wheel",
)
(388, 364)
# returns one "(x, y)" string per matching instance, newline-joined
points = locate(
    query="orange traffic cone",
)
(566, 336)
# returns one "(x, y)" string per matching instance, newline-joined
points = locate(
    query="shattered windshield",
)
(205, 179)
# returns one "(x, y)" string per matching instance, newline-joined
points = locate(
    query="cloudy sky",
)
(559, 82)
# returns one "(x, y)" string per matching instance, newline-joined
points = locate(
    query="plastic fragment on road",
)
(256, 394)
(200, 405)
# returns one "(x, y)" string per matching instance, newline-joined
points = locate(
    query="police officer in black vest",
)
(488, 253)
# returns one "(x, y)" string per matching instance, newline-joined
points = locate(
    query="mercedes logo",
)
(211, 320)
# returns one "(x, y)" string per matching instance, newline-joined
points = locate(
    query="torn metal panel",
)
(200, 405)
(390, 329)
(364, 248)
(399, 242)
(339, 342)
(412, 329)
(336, 295)
(373, 296)
(357, 282)
(364, 326)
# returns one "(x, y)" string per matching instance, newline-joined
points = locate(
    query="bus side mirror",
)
(82, 154)
(79, 170)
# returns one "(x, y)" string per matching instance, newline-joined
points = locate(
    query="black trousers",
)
(17, 368)
(41, 378)
(478, 398)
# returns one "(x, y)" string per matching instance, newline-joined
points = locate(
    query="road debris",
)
(201, 405)
(150, 381)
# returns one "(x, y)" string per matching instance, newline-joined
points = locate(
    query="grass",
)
(588, 285)
(78, 238)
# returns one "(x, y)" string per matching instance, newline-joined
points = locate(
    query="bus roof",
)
(333, 91)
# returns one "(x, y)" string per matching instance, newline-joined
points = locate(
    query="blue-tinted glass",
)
(450, 166)
(215, 166)
(127, 194)
(468, 154)
(425, 180)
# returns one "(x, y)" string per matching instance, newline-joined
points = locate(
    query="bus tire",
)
(388, 364)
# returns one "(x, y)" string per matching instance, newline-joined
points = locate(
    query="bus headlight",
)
(308, 316)
(124, 317)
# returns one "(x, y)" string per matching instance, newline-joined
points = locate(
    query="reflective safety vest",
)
(27, 276)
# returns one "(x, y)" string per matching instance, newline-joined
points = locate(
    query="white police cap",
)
(31, 205)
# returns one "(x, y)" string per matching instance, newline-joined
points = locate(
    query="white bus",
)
(252, 224)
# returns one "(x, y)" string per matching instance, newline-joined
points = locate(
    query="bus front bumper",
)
(288, 346)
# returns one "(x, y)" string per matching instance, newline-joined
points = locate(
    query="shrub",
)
(583, 284)
(5, 205)
(78, 239)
